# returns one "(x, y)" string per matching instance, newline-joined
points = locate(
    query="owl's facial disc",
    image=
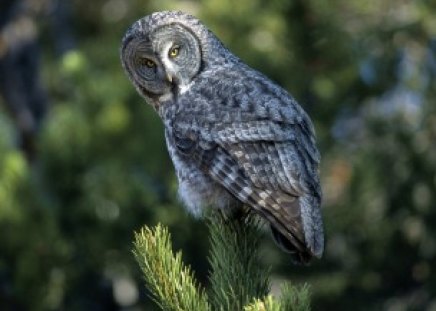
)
(179, 51)
(145, 69)
(163, 61)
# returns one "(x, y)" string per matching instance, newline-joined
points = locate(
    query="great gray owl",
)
(234, 136)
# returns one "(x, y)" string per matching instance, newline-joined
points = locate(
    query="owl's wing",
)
(286, 169)
(270, 166)
(255, 140)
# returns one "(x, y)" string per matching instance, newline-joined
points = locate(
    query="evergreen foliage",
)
(236, 277)
(238, 280)
(292, 298)
(171, 282)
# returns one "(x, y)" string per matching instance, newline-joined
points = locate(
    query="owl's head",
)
(163, 52)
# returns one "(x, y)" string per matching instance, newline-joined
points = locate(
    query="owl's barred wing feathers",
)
(268, 162)
(256, 176)
(280, 211)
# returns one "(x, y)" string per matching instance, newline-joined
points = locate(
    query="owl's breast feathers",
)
(253, 139)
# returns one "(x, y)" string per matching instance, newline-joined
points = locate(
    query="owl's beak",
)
(169, 77)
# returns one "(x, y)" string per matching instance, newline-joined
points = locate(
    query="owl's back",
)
(253, 139)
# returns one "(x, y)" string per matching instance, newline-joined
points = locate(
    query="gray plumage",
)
(234, 136)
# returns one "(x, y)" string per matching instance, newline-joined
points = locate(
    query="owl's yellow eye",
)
(174, 51)
(147, 62)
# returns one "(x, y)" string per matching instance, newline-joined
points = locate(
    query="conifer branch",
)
(169, 280)
(292, 298)
(236, 276)
(237, 280)
(295, 298)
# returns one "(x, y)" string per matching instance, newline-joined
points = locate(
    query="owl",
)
(237, 140)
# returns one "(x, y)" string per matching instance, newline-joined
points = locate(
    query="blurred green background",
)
(365, 72)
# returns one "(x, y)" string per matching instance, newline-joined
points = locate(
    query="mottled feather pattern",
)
(273, 148)
(235, 137)
(266, 202)
(279, 207)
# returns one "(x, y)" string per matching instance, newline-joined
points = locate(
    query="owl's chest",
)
(186, 169)
(197, 190)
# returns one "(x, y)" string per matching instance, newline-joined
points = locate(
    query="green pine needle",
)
(295, 298)
(236, 277)
(292, 298)
(171, 282)
(267, 304)
(237, 280)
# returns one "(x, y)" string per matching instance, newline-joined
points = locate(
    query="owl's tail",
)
(297, 256)
(284, 213)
